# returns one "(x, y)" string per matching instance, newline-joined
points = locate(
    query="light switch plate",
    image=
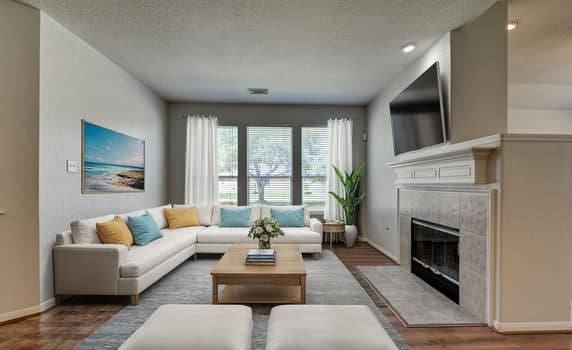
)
(71, 166)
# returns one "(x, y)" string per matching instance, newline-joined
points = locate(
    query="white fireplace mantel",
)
(461, 163)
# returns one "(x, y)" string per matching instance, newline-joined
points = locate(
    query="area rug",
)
(328, 282)
(415, 302)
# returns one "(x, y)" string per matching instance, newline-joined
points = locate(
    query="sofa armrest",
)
(88, 269)
(316, 225)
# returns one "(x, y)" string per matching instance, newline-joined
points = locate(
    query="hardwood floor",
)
(64, 326)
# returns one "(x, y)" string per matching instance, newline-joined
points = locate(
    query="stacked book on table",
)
(261, 257)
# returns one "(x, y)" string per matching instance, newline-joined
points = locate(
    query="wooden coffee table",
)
(283, 283)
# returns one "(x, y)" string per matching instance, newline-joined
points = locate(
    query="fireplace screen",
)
(435, 256)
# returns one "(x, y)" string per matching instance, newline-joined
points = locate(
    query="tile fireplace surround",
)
(509, 195)
(467, 211)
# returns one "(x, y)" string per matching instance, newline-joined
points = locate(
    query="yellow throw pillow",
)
(114, 232)
(182, 217)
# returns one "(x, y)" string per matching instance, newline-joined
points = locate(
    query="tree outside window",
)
(270, 165)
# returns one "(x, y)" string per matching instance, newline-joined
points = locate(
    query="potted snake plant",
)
(350, 201)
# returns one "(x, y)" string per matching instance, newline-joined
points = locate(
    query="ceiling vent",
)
(258, 91)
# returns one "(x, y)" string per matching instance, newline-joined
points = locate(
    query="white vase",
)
(350, 235)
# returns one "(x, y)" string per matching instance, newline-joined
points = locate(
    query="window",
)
(227, 167)
(314, 166)
(269, 157)
(268, 177)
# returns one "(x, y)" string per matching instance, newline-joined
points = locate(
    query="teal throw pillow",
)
(288, 217)
(144, 229)
(235, 217)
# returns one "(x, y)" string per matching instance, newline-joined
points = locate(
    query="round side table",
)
(333, 228)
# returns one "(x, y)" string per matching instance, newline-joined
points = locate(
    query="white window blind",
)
(227, 167)
(314, 166)
(269, 158)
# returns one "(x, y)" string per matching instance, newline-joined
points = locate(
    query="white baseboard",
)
(380, 248)
(12, 315)
(48, 304)
(510, 327)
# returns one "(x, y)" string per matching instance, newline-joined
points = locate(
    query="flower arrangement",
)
(264, 229)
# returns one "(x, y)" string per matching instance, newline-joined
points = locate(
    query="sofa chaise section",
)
(112, 269)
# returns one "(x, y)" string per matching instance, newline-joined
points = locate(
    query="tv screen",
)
(417, 117)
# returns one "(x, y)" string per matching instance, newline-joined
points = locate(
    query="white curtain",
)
(201, 179)
(339, 154)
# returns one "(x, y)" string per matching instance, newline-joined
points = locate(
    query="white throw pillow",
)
(203, 211)
(254, 212)
(158, 215)
(84, 231)
(131, 213)
(266, 211)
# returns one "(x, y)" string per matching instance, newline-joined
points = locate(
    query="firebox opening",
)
(435, 256)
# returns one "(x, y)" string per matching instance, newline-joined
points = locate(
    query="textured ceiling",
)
(540, 48)
(305, 51)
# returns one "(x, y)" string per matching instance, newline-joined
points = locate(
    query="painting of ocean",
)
(112, 162)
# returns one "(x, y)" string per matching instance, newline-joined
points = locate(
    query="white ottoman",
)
(204, 327)
(326, 327)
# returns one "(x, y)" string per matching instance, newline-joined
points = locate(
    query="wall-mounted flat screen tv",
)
(417, 114)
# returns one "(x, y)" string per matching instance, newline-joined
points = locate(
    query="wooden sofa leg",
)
(316, 256)
(134, 299)
(59, 299)
(196, 258)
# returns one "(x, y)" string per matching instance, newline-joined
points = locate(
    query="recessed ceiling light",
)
(258, 91)
(408, 47)
(511, 25)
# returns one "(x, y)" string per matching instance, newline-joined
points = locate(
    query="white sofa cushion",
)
(228, 235)
(298, 235)
(217, 234)
(266, 211)
(158, 215)
(84, 231)
(206, 327)
(141, 259)
(203, 211)
(254, 213)
(331, 327)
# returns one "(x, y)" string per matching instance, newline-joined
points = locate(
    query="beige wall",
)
(535, 233)
(540, 121)
(479, 76)
(76, 82)
(539, 108)
(19, 97)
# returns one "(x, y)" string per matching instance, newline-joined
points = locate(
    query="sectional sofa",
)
(85, 266)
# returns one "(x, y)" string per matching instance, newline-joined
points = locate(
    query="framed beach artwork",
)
(111, 161)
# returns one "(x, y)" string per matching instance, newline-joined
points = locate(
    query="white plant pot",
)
(350, 235)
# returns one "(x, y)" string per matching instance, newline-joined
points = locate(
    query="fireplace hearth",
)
(435, 256)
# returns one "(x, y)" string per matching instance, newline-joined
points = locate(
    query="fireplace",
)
(435, 256)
